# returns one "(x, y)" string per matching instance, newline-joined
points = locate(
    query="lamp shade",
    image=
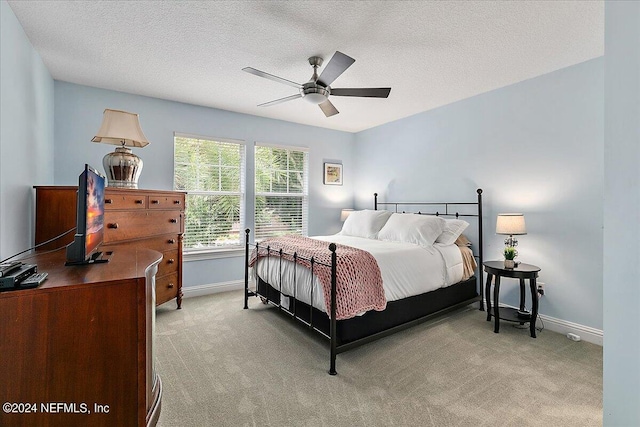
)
(121, 128)
(510, 223)
(345, 214)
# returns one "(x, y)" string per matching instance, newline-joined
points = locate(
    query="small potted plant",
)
(510, 254)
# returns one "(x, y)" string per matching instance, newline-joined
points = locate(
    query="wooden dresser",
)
(133, 218)
(79, 349)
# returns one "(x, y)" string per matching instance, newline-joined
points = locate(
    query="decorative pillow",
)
(366, 223)
(421, 230)
(453, 228)
(463, 241)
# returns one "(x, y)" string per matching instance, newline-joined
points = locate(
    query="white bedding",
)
(407, 269)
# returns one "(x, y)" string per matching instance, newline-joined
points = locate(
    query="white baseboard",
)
(586, 333)
(211, 288)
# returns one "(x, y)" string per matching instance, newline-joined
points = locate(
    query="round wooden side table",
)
(522, 272)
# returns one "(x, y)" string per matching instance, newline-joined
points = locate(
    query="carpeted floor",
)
(224, 366)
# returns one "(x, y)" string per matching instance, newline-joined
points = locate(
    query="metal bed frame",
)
(336, 348)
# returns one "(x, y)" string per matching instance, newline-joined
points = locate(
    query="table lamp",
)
(511, 224)
(122, 167)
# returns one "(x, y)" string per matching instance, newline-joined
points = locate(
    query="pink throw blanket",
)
(358, 279)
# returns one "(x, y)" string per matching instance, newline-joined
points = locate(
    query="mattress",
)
(407, 270)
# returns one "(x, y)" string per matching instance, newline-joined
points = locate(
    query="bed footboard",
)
(293, 311)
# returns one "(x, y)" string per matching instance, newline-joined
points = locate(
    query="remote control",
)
(34, 280)
(8, 267)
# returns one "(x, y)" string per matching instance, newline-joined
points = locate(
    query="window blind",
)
(282, 195)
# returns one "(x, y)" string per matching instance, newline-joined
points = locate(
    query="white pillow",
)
(421, 230)
(453, 228)
(365, 223)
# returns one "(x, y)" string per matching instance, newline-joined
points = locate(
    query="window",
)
(211, 171)
(282, 193)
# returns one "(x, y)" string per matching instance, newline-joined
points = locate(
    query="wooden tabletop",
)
(125, 263)
(522, 270)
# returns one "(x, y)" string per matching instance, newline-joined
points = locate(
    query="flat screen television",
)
(89, 219)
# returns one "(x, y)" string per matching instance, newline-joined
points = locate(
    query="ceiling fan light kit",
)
(314, 93)
(317, 90)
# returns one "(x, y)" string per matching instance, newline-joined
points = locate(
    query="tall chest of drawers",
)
(134, 218)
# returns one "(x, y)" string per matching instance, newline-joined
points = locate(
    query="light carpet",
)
(224, 366)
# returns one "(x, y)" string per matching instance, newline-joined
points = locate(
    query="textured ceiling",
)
(429, 53)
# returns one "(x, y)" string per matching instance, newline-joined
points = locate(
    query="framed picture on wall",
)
(332, 174)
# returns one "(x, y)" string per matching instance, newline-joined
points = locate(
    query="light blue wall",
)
(78, 114)
(26, 132)
(622, 215)
(534, 147)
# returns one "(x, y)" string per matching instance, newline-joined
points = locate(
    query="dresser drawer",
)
(166, 288)
(139, 224)
(162, 201)
(165, 243)
(114, 201)
(169, 263)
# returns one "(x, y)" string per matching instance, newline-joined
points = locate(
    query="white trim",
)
(284, 147)
(211, 288)
(208, 138)
(587, 333)
(205, 254)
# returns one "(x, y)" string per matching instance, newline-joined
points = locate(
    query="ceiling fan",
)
(317, 90)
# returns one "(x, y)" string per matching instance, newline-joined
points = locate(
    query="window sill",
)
(205, 254)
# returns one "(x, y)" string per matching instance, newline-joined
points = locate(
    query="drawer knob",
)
(170, 286)
(173, 220)
(171, 261)
(113, 225)
(177, 202)
(155, 202)
(171, 241)
(108, 201)
(138, 202)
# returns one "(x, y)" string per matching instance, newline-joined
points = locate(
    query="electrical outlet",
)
(540, 287)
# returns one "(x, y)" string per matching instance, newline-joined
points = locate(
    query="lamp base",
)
(122, 168)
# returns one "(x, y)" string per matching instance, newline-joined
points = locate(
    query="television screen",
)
(89, 219)
(94, 210)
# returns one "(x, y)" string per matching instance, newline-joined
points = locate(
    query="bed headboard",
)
(450, 209)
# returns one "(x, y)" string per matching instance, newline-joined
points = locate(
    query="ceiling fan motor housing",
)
(315, 93)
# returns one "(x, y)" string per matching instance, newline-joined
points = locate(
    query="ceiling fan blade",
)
(378, 92)
(271, 77)
(328, 109)
(336, 66)
(280, 101)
